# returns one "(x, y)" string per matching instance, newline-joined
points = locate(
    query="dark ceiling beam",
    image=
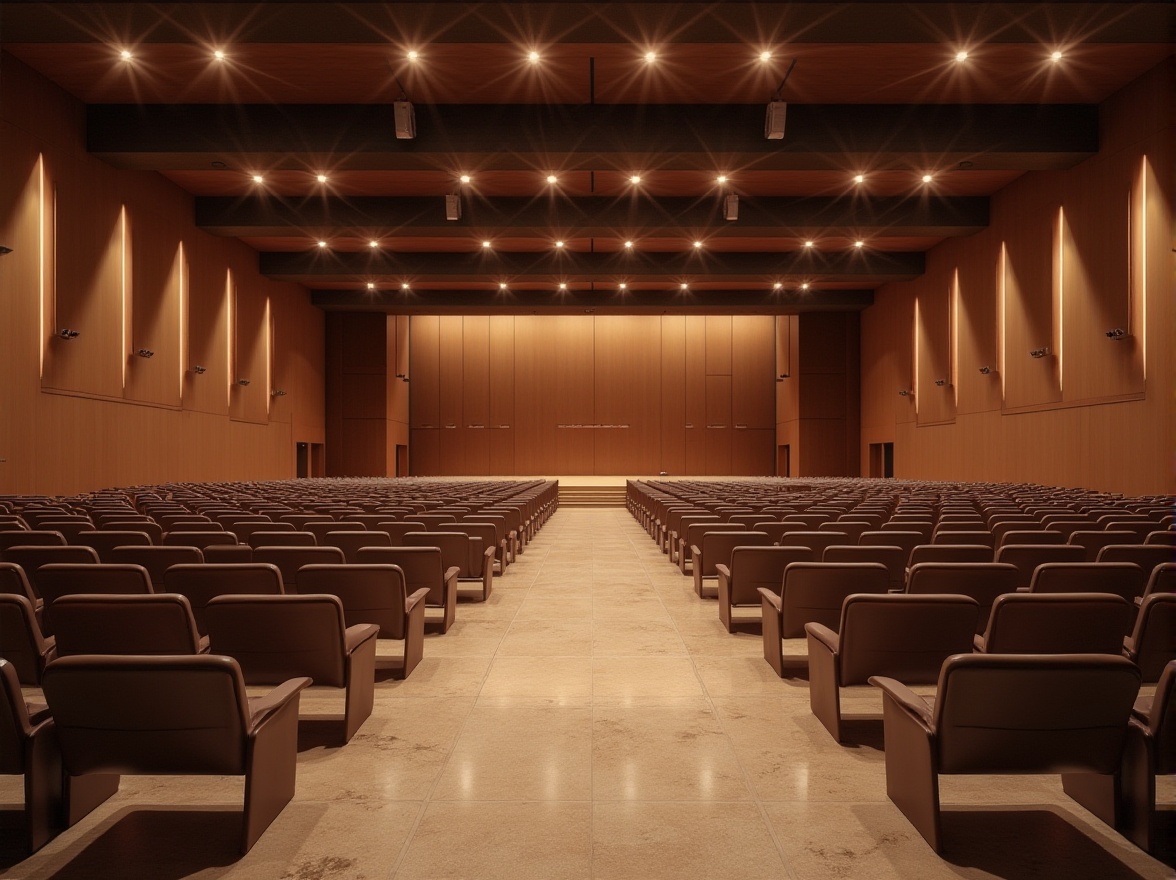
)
(467, 302)
(866, 267)
(593, 216)
(480, 137)
(616, 22)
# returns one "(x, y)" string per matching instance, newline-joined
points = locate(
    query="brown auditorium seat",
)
(488, 554)
(150, 529)
(816, 541)
(350, 542)
(422, 568)
(1093, 541)
(851, 529)
(58, 579)
(182, 715)
(894, 558)
(908, 541)
(1006, 714)
(157, 559)
(1162, 580)
(752, 567)
(435, 522)
(1026, 557)
(201, 583)
(102, 623)
(923, 528)
(677, 538)
(950, 553)
(14, 580)
(979, 536)
(22, 643)
(1146, 556)
(813, 592)
(397, 530)
(200, 540)
(244, 529)
(375, 594)
(228, 554)
(69, 528)
(902, 637)
(281, 539)
(983, 581)
(774, 530)
(1152, 643)
(1056, 623)
(715, 549)
(30, 538)
(300, 520)
(290, 559)
(274, 638)
(105, 542)
(1033, 536)
(1121, 578)
(1163, 537)
(692, 537)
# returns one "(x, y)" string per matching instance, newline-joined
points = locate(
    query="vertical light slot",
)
(953, 317)
(1144, 172)
(1059, 291)
(181, 269)
(124, 287)
(915, 356)
(230, 335)
(41, 260)
(269, 356)
(1001, 293)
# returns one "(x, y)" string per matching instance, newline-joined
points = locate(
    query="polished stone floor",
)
(593, 719)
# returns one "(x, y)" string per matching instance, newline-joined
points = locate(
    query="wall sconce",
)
(782, 377)
(905, 393)
(1039, 352)
(1117, 334)
(199, 370)
(4, 251)
(145, 353)
(66, 333)
(402, 377)
(278, 393)
(939, 383)
(242, 382)
(984, 371)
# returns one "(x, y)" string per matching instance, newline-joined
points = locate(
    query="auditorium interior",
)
(536, 318)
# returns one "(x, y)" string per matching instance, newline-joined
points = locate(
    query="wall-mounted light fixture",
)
(199, 370)
(1117, 334)
(4, 250)
(277, 393)
(1039, 352)
(984, 371)
(782, 377)
(242, 382)
(402, 377)
(905, 393)
(145, 353)
(939, 383)
(66, 333)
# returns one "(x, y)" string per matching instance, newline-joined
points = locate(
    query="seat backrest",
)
(1121, 578)
(717, 546)
(1146, 556)
(1154, 637)
(1094, 540)
(300, 520)
(350, 542)
(902, 636)
(970, 537)
(14, 581)
(1162, 580)
(695, 531)
(62, 579)
(850, 528)
(774, 530)
(435, 521)
(281, 539)
(200, 583)
(454, 547)
(157, 715)
(30, 538)
(1017, 713)
(398, 529)
(1165, 537)
(421, 567)
(892, 538)
(762, 565)
(815, 540)
(369, 593)
(484, 532)
(814, 591)
(157, 623)
(922, 527)
(150, 529)
(105, 542)
(15, 725)
(290, 559)
(274, 638)
(157, 560)
(245, 529)
(688, 519)
(1026, 557)
(983, 581)
(200, 540)
(894, 558)
(21, 641)
(1161, 720)
(950, 553)
(1057, 623)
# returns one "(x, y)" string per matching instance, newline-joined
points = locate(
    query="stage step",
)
(591, 496)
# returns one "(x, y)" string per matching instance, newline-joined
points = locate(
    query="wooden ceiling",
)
(671, 93)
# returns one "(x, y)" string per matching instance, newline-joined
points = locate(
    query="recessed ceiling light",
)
(533, 57)
(257, 178)
(927, 178)
(502, 285)
(219, 54)
(1055, 57)
(804, 286)
(697, 245)
(721, 179)
(559, 243)
(465, 178)
(650, 57)
(551, 178)
(563, 286)
(777, 286)
(683, 286)
(622, 286)
(961, 55)
(486, 244)
(373, 243)
(404, 286)
(321, 178)
(765, 56)
(371, 285)
(634, 179)
(859, 178)
(859, 244)
(809, 244)
(413, 55)
(322, 244)
(125, 55)
(628, 245)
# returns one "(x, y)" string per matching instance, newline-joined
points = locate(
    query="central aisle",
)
(592, 720)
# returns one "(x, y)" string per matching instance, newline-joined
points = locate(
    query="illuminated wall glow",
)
(1144, 172)
(41, 257)
(125, 284)
(230, 335)
(953, 318)
(182, 289)
(269, 356)
(1001, 293)
(915, 356)
(1059, 303)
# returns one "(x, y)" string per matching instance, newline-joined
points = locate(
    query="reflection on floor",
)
(593, 719)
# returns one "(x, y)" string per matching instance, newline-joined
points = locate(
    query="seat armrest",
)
(979, 644)
(451, 573)
(488, 555)
(275, 700)
(824, 635)
(695, 552)
(1139, 601)
(914, 705)
(356, 635)
(776, 600)
(419, 596)
(723, 570)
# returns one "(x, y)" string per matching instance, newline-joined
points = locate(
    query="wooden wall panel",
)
(208, 327)
(536, 390)
(475, 368)
(575, 373)
(673, 394)
(157, 271)
(451, 455)
(695, 374)
(753, 452)
(449, 372)
(424, 451)
(502, 396)
(934, 403)
(424, 372)
(753, 356)
(718, 425)
(718, 345)
(250, 403)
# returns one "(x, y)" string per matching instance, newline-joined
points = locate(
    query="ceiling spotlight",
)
(809, 244)
(551, 178)
(622, 286)
(961, 55)
(321, 178)
(697, 245)
(486, 245)
(257, 178)
(650, 57)
(804, 286)
(563, 286)
(721, 179)
(373, 243)
(559, 244)
(634, 179)
(683, 286)
(465, 178)
(1055, 57)
(628, 245)
(859, 244)
(413, 55)
(778, 286)
(502, 285)
(219, 55)
(927, 178)
(533, 57)
(371, 285)
(405, 286)
(125, 55)
(765, 56)
(322, 244)
(859, 178)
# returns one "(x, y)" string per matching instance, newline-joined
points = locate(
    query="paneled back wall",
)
(1068, 256)
(115, 256)
(523, 394)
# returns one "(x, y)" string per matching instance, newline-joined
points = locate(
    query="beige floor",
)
(591, 720)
